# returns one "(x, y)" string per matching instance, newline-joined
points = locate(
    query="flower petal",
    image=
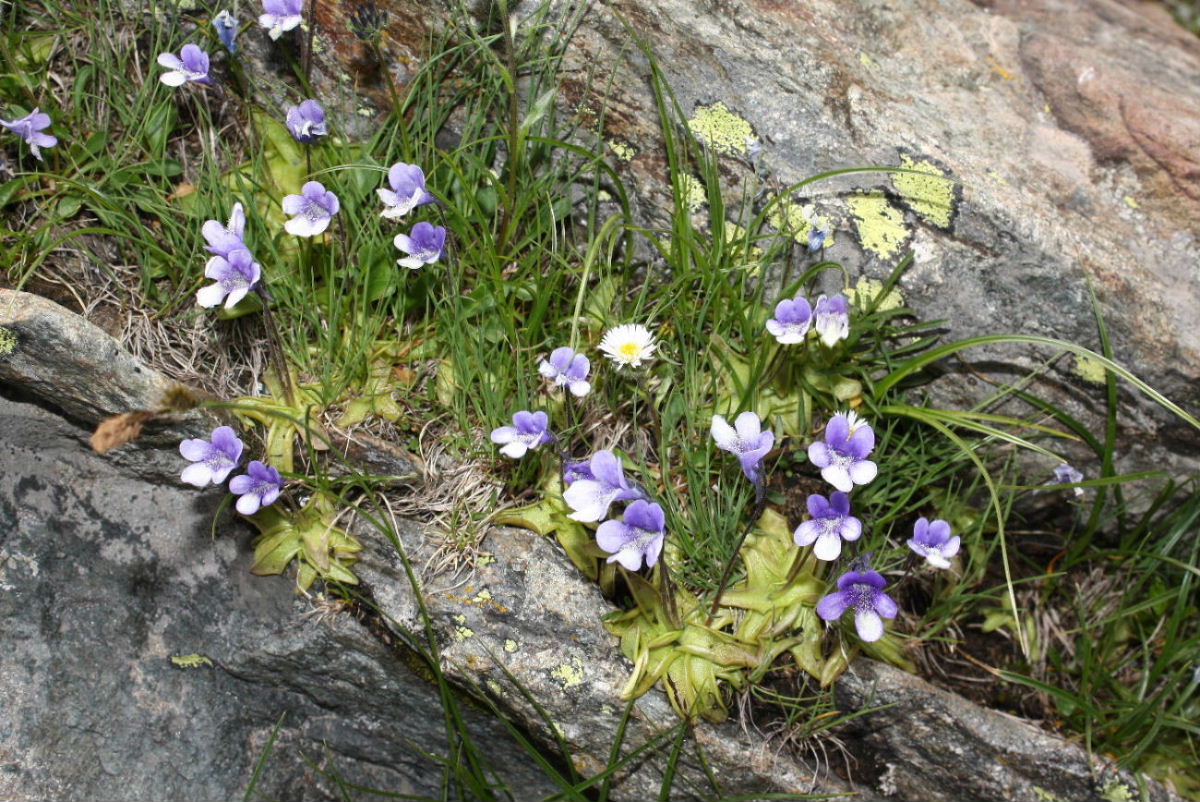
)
(869, 625)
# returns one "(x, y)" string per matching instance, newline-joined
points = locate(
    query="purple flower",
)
(407, 192)
(258, 487)
(235, 277)
(831, 524)
(529, 430)
(313, 208)
(590, 498)
(307, 122)
(639, 535)
(190, 65)
(224, 240)
(213, 460)
(933, 542)
(1067, 475)
(864, 592)
(745, 439)
(831, 319)
(842, 458)
(791, 321)
(424, 246)
(282, 15)
(30, 128)
(226, 26)
(567, 369)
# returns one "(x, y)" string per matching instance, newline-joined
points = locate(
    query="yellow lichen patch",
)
(867, 290)
(1131, 202)
(1116, 791)
(191, 661)
(694, 193)
(929, 195)
(995, 176)
(1089, 369)
(494, 687)
(8, 341)
(569, 674)
(484, 560)
(880, 225)
(735, 238)
(510, 645)
(866, 60)
(1045, 796)
(792, 218)
(721, 129)
(462, 633)
(622, 150)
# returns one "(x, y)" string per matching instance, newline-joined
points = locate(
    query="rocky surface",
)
(1073, 128)
(107, 577)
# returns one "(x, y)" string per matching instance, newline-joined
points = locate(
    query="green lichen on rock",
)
(694, 193)
(880, 225)
(798, 221)
(865, 292)
(622, 150)
(1089, 369)
(1116, 791)
(929, 196)
(8, 341)
(721, 130)
(569, 674)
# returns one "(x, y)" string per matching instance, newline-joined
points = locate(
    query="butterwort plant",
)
(30, 128)
(831, 523)
(424, 245)
(191, 65)
(406, 190)
(258, 487)
(746, 440)
(842, 455)
(529, 430)
(638, 536)
(567, 369)
(590, 498)
(860, 589)
(306, 122)
(312, 210)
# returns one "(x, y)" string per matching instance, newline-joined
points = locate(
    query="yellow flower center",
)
(630, 350)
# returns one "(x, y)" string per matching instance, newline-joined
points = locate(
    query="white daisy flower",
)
(629, 344)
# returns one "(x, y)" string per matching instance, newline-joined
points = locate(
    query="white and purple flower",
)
(590, 498)
(313, 208)
(831, 319)
(842, 457)
(258, 487)
(306, 122)
(791, 321)
(407, 190)
(30, 129)
(831, 523)
(746, 440)
(424, 245)
(213, 459)
(190, 65)
(1067, 474)
(235, 276)
(224, 240)
(932, 541)
(862, 590)
(529, 430)
(567, 369)
(281, 15)
(639, 536)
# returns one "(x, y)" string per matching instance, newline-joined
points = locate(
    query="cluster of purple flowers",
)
(425, 243)
(214, 459)
(830, 318)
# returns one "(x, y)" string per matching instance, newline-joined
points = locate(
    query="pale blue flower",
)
(529, 430)
(213, 460)
(407, 191)
(791, 321)
(258, 487)
(831, 319)
(281, 15)
(831, 523)
(864, 592)
(313, 208)
(224, 240)
(30, 129)
(190, 65)
(226, 26)
(842, 457)
(234, 276)
(1068, 475)
(746, 440)
(933, 542)
(567, 369)
(306, 122)
(424, 245)
(590, 498)
(639, 536)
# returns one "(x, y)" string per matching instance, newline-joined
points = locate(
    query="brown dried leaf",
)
(119, 430)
